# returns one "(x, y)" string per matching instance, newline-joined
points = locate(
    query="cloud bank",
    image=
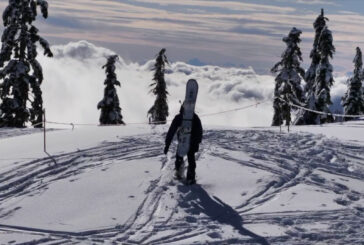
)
(74, 85)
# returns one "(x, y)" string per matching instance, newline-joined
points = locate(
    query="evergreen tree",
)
(353, 101)
(288, 81)
(324, 78)
(319, 77)
(109, 105)
(310, 75)
(21, 73)
(159, 111)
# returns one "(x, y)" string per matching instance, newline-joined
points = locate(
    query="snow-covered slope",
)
(113, 184)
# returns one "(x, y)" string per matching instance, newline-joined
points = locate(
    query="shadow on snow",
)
(198, 201)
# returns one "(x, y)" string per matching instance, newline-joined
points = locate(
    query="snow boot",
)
(190, 181)
(177, 175)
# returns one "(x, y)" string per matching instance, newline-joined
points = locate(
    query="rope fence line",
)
(236, 109)
(20, 158)
(157, 122)
(213, 114)
(204, 115)
(319, 112)
(45, 122)
(153, 123)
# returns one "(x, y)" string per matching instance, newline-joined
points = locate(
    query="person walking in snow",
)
(196, 138)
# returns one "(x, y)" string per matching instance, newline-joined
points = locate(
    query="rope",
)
(203, 115)
(233, 110)
(158, 122)
(73, 124)
(151, 123)
(34, 125)
(319, 112)
(19, 158)
(206, 115)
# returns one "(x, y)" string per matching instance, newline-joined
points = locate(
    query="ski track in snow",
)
(174, 213)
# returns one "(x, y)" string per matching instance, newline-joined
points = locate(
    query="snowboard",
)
(184, 132)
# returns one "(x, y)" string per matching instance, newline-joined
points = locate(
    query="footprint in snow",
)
(353, 197)
(342, 202)
(191, 219)
(214, 235)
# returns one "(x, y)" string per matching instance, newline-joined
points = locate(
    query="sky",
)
(225, 33)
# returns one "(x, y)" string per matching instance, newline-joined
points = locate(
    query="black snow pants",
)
(191, 170)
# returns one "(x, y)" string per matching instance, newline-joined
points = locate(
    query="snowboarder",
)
(196, 138)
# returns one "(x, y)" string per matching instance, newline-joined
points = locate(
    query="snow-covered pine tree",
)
(310, 74)
(353, 101)
(109, 105)
(306, 117)
(159, 111)
(21, 71)
(288, 81)
(324, 78)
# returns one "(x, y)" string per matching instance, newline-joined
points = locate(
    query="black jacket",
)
(196, 131)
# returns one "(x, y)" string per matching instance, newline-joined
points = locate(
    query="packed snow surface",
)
(114, 184)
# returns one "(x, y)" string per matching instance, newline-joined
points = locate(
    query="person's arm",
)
(172, 130)
(199, 129)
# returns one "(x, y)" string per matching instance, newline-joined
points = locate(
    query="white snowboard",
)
(184, 132)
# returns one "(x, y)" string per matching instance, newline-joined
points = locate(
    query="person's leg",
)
(191, 174)
(178, 163)
(178, 167)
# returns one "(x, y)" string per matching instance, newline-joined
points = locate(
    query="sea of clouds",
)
(74, 84)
